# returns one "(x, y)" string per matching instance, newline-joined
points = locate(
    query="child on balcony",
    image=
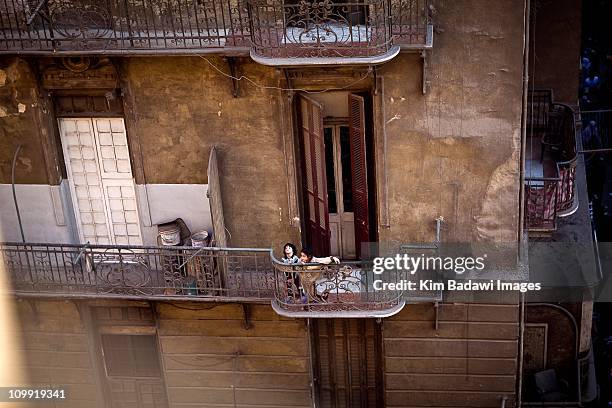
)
(307, 257)
(312, 274)
(290, 254)
(292, 279)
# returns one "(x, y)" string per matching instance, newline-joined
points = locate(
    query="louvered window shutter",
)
(359, 170)
(314, 181)
(347, 358)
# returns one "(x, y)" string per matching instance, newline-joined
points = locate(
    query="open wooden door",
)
(313, 176)
(359, 171)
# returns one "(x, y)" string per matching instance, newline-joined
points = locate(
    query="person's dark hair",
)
(293, 247)
(307, 251)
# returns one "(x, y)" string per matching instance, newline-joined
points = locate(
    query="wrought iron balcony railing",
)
(547, 198)
(270, 28)
(122, 25)
(340, 28)
(138, 272)
(202, 274)
(341, 290)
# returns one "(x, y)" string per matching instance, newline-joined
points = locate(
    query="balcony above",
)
(121, 26)
(294, 32)
(551, 161)
(274, 32)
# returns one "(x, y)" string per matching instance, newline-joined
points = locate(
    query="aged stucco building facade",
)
(321, 138)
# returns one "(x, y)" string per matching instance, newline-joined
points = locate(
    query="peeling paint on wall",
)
(500, 198)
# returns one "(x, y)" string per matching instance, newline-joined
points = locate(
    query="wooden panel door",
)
(100, 176)
(359, 171)
(347, 359)
(313, 173)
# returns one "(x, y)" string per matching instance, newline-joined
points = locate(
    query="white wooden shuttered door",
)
(100, 175)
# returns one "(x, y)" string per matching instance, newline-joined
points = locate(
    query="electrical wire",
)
(247, 79)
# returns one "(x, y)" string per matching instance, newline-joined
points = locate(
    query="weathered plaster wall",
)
(555, 55)
(19, 109)
(455, 151)
(183, 107)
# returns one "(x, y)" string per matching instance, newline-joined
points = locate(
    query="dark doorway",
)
(337, 176)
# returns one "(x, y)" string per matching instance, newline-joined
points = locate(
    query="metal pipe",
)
(81, 252)
(387, 223)
(523, 147)
(519, 382)
(228, 51)
(138, 247)
(435, 244)
(594, 151)
(36, 11)
(17, 150)
(439, 222)
(210, 299)
(596, 111)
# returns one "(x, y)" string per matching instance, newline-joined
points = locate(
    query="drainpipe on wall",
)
(524, 122)
(521, 349)
(526, 22)
(524, 126)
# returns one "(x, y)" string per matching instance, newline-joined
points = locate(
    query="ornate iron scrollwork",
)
(80, 24)
(320, 28)
(330, 288)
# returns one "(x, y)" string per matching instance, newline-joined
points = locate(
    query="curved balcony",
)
(283, 29)
(334, 290)
(325, 32)
(551, 163)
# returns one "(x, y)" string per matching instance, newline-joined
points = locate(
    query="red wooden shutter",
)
(359, 170)
(314, 181)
